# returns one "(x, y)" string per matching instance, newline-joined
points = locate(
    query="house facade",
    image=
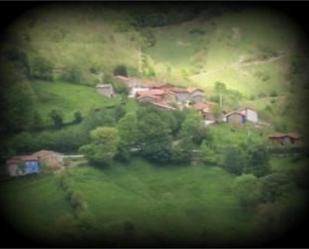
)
(285, 138)
(23, 165)
(197, 96)
(251, 114)
(235, 118)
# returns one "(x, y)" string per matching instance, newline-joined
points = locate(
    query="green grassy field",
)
(216, 52)
(69, 98)
(162, 204)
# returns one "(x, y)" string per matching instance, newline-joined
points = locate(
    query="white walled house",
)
(250, 114)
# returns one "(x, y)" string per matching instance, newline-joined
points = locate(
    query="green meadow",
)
(193, 203)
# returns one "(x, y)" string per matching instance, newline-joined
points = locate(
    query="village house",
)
(235, 117)
(182, 95)
(251, 114)
(197, 95)
(134, 84)
(23, 165)
(157, 97)
(105, 90)
(35, 163)
(206, 112)
(286, 138)
(241, 116)
(153, 92)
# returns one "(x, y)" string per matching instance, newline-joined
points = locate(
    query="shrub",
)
(273, 93)
(121, 70)
(262, 95)
(252, 97)
(72, 74)
(41, 69)
(275, 186)
(149, 38)
(77, 117)
(248, 190)
(208, 153)
(234, 160)
(57, 118)
(77, 201)
(120, 87)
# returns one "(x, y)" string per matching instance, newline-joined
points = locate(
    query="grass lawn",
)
(161, 204)
(69, 98)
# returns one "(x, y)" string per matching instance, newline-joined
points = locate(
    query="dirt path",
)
(239, 65)
(258, 62)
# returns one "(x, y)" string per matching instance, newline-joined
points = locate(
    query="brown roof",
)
(277, 135)
(293, 135)
(192, 89)
(163, 86)
(234, 112)
(180, 90)
(18, 159)
(201, 107)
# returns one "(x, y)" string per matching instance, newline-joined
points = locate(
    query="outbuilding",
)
(23, 165)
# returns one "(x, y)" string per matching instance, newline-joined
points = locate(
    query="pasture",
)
(154, 204)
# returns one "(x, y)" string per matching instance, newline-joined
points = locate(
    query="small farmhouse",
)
(242, 116)
(197, 95)
(285, 138)
(235, 117)
(251, 114)
(22, 165)
(105, 90)
(206, 112)
(182, 95)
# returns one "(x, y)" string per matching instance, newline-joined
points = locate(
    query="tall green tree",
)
(248, 189)
(128, 133)
(192, 127)
(258, 160)
(220, 89)
(234, 160)
(154, 137)
(57, 118)
(103, 146)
